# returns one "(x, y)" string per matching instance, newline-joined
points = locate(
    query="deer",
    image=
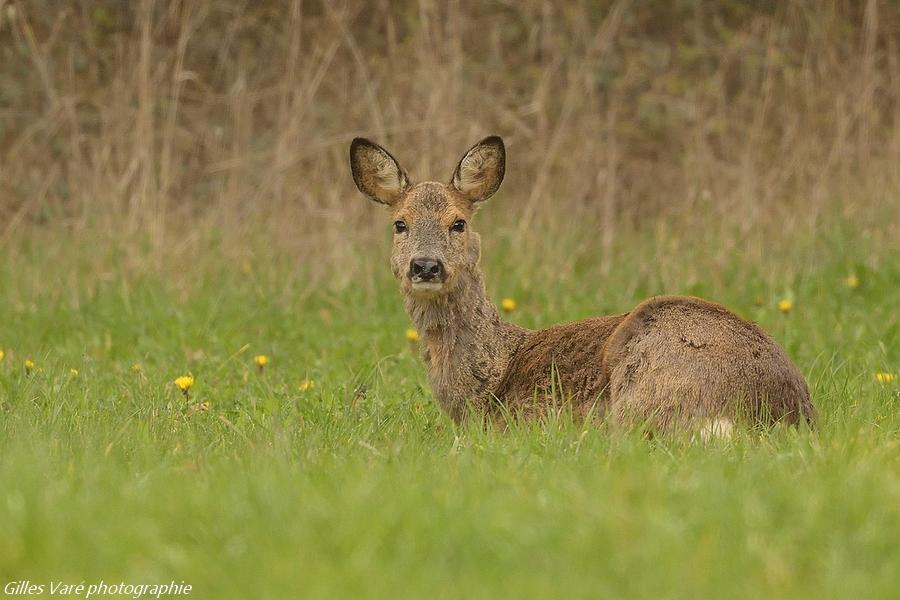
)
(671, 363)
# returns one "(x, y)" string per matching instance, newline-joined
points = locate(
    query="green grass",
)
(276, 492)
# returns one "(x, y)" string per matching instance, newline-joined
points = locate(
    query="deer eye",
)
(399, 227)
(458, 225)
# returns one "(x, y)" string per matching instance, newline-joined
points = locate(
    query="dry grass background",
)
(152, 128)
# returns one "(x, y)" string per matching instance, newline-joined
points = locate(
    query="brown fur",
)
(676, 360)
(560, 362)
(671, 363)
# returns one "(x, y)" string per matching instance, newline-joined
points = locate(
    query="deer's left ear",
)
(480, 172)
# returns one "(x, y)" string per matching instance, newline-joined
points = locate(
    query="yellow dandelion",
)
(306, 385)
(508, 304)
(885, 377)
(73, 372)
(261, 360)
(2, 354)
(785, 305)
(29, 365)
(137, 368)
(412, 335)
(184, 383)
(852, 282)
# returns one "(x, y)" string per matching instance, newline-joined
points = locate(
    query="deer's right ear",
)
(377, 174)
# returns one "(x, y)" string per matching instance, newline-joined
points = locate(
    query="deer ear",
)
(377, 174)
(480, 172)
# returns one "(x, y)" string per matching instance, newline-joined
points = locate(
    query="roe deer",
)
(672, 362)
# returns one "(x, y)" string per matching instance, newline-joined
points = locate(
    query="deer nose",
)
(426, 269)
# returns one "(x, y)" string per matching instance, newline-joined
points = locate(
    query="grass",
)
(174, 194)
(335, 492)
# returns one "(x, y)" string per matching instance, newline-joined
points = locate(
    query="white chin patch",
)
(427, 286)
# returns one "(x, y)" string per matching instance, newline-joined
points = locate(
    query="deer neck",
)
(466, 345)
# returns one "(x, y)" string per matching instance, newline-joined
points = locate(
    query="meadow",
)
(175, 201)
(330, 471)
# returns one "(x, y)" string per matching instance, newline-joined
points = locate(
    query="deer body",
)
(671, 362)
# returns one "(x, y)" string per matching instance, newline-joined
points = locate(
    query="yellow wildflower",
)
(184, 383)
(785, 305)
(852, 282)
(73, 372)
(2, 354)
(412, 335)
(885, 377)
(306, 385)
(137, 368)
(29, 365)
(508, 304)
(261, 360)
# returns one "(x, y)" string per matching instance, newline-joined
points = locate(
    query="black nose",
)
(426, 269)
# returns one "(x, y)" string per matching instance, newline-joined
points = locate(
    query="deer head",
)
(434, 247)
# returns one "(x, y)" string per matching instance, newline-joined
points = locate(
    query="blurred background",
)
(161, 130)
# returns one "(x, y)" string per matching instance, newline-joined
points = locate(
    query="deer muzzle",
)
(426, 273)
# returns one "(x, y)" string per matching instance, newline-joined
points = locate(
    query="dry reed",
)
(176, 122)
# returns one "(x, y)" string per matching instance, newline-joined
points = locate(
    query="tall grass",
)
(279, 491)
(174, 123)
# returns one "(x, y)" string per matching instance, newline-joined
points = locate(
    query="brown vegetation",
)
(171, 120)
